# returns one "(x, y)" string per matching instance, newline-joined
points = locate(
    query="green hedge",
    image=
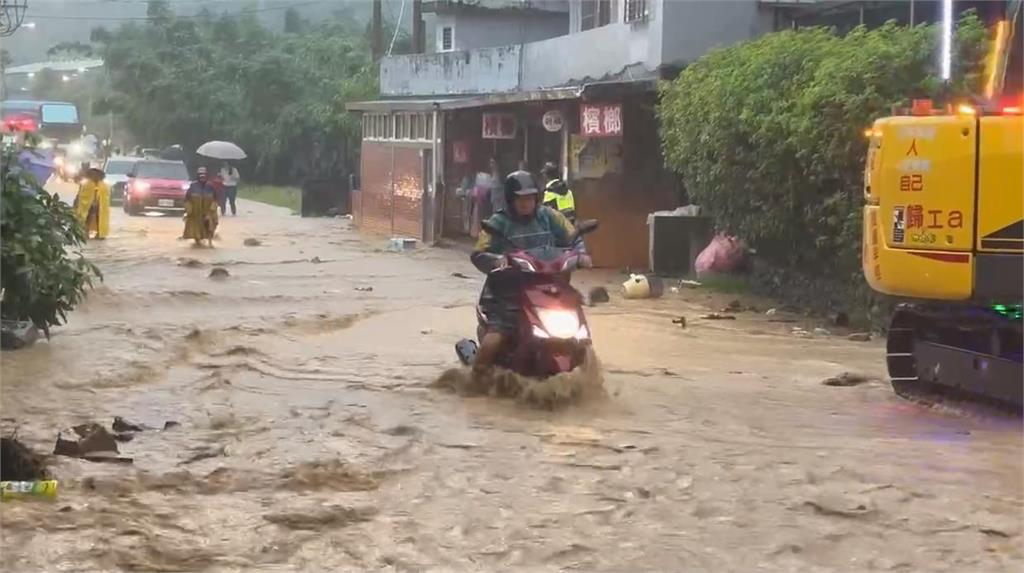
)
(767, 135)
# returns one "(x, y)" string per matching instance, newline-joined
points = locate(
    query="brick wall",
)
(390, 201)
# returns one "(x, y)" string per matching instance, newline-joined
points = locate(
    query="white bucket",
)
(636, 286)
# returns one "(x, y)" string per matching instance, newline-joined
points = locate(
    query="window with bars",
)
(447, 43)
(636, 10)
(596, 13)
(398, 126)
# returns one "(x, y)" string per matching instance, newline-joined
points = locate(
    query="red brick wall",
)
(391, 195)
(408, 188)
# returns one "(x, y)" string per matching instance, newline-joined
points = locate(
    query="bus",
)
(56, 122)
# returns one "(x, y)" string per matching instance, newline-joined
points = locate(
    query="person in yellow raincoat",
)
(93, 204)
(201, 210)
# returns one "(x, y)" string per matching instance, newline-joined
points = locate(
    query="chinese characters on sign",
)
(553, 121)
(601, 120)
(922, 224)
(499, 126)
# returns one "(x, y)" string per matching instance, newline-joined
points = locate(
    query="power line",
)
(150, 19)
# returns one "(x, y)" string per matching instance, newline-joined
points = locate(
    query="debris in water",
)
(169, 424)
(205, 454)
(32, 488)
(681, 321)
(733, 306)
(822, 332)
(124, 436)
(219, 273)
(402, 430)
(321, 518)
(460, 275)
(860, 337)
(95, 444)
(839, 507)
(315, 260)
(252, 242)
(839, 318)
(598, 295)
(19, 463)
(190, 263)
(771, 312)
(364, 288)
(122, 425)
(717, 316)
(846, 379)
(15, 334)
(689, 283)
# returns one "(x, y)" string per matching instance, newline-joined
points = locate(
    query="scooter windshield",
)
(545, 254)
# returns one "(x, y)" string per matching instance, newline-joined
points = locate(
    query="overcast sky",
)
(70, 20)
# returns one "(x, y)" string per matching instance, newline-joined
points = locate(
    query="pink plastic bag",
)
(722, 255)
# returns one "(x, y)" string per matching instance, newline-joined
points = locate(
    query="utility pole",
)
(911, 13)
(417, 27)
(376, 31)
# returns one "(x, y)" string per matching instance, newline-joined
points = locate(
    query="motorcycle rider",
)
(529, 225)
(557, 194)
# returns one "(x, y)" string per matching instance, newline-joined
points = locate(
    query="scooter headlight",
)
(559, 323)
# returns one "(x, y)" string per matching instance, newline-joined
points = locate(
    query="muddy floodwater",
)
(310, 435)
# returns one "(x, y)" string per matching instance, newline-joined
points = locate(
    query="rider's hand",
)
(500, 264)
(584, 261)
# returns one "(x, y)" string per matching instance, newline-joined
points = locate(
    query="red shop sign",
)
(601, 120)
(499, 126)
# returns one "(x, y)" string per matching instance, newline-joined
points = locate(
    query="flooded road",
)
(311, 438)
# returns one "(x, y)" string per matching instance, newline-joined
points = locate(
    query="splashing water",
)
(584, 383)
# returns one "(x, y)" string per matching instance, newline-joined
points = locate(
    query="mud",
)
(317, 440)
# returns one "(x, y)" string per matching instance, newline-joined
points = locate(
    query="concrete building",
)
(530, 81)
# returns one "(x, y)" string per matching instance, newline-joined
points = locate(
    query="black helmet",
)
(519, 183)
(550, 170)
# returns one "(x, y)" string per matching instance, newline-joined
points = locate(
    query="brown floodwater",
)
(313, 434)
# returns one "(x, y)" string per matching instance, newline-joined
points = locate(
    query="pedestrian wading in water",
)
(201, 210)
(93, 204)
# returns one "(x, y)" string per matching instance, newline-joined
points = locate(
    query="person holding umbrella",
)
(200, 210)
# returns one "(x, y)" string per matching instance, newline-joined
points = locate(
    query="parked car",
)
(117, 169)
(156, 185)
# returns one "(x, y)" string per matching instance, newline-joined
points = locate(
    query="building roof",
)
(448, 102)
(60, 66)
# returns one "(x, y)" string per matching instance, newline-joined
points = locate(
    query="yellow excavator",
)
(944, 232)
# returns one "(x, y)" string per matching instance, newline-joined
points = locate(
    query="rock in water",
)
(251, 242)
(599, 295)
(219, 273)
(17, 334)
(860, 337)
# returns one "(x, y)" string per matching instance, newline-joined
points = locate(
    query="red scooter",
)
(552, 335)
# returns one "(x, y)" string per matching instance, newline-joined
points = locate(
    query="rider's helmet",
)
(519, 183)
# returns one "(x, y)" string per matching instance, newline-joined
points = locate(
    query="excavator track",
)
(937, 352)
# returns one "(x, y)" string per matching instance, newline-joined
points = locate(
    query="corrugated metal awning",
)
(429, 103)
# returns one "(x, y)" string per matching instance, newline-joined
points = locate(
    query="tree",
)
(281, 97)
(293, 22)
(42, 277)
(767, 134)
(69, 51)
